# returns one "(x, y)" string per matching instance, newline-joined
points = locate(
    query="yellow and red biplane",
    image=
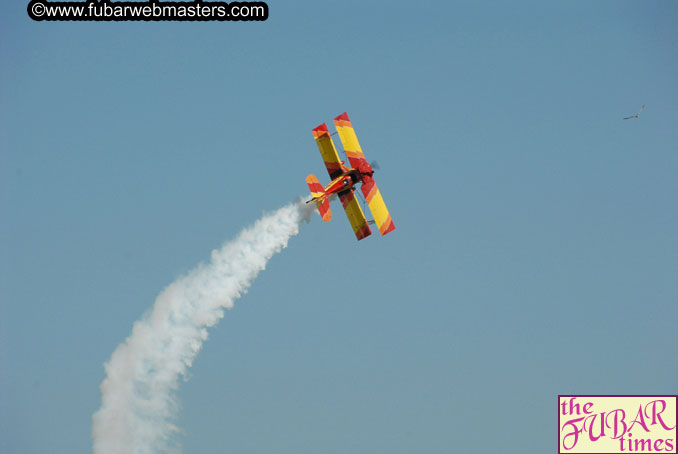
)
(345, 179)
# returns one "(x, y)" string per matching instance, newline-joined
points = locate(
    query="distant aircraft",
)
(345, 179)
(636, 115)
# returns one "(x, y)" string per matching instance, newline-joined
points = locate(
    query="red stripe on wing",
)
(321, 131)
(387, 226)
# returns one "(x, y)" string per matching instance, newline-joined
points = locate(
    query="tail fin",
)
(318, 194)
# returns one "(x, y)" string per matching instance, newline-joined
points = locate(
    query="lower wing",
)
(355, 215)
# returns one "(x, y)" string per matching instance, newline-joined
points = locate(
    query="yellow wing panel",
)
(377, 206)
(355, 215)
(349, 139)
(328, 151)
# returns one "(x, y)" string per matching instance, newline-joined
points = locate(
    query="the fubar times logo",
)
(617, 424)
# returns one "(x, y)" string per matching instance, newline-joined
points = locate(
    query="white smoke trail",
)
(142, 376)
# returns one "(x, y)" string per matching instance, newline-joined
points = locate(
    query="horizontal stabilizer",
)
(317, 189)
(324, 209)
(319, 197)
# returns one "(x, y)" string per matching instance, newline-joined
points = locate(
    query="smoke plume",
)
(143, 374)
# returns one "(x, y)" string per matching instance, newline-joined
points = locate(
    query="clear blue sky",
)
(536, 250)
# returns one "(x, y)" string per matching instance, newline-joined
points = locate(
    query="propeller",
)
(375, 165)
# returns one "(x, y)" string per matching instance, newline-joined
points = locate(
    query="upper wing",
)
(328, 151)
(370, 190)
(349, 140)
(355, 214)
(377, 206)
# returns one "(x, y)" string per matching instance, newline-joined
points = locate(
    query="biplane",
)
(345, 180)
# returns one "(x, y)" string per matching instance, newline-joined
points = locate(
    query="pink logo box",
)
(598, 424)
